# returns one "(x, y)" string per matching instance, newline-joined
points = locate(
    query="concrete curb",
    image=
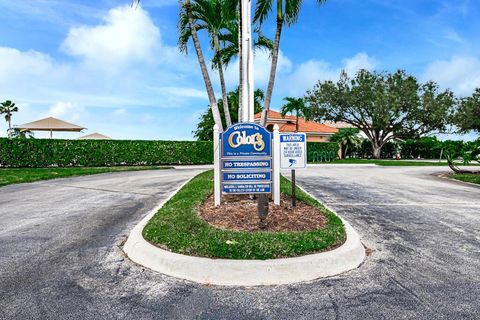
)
(244, 272)
(460, 182)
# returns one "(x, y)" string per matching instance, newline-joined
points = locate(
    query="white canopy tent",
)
(50, 124)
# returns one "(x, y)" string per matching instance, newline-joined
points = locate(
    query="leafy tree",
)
(297, 106)
(287, 12)
(348, 138)
(467, 116)
(204, 131)
(385, 106)
(7, 108)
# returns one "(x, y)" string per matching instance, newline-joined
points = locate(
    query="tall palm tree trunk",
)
(273, 68)
(296, 123)
(226, 110)
(203, 67)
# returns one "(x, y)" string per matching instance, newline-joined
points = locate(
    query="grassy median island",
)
(178, 227)
(22, 175)
(472, 178)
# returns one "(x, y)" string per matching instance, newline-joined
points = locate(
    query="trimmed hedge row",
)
(37, 153)
(94, 153)
(322, 151)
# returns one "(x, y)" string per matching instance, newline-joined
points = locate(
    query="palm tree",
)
(17, 133)
(7, 108)
(186, 14)
(213, 16)
(287, 12)
(347, 137)
(231, 40)
(298, 106)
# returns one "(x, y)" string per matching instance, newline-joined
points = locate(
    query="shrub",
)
(62, 153)
(37, 153)
(322, 151)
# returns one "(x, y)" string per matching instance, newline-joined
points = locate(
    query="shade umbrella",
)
(50, 124)
(95, 136)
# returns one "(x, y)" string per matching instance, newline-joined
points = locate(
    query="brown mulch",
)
(239, 213)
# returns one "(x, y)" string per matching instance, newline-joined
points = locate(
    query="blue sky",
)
(117, 71)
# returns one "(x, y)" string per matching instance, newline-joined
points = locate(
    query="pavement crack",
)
(101, 189)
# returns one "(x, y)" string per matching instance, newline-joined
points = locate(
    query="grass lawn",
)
(472, 178)
(21, 175)
(382, 162)
(178, 228)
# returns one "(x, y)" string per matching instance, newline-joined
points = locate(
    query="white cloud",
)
(359, 61)
(65, 110)
(126, 35)
(452, 35)
(460, 74)
(261, 65)
(308, 73)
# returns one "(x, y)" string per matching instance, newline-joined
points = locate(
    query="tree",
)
(348, 139)
(384, 106)
(287, 12)
(298, 106)
(467, 116)
(231, 40)
(212, 16)
(204, 131)
(7, 108)
(17, 133)
(186, 14)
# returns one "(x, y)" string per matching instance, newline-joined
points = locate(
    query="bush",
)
(322, 151)
(93, 153)
(36, 153)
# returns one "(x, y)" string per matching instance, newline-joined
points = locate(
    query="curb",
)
(227, 272)
(460, 182)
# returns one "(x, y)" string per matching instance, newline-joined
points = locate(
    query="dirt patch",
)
(240, 213)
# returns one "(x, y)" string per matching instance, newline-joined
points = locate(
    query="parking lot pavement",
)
(60, 255)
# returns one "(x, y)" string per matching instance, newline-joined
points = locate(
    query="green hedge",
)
(56, 152)
(322, 151)
(37, 153)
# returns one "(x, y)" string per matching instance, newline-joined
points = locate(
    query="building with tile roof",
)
(316, 132)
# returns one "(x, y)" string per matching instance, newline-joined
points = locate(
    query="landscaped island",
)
(178, 227)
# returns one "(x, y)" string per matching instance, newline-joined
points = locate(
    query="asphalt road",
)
(60, 255)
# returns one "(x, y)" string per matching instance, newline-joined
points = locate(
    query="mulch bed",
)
(240, 213)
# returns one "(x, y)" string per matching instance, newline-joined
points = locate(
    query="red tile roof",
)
(303, 126)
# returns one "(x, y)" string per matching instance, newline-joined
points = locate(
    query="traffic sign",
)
(293, 150)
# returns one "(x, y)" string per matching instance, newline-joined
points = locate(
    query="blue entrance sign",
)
(247, 176)
(246, 159)
(247, 164)
(246, 140)
(246, 188)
